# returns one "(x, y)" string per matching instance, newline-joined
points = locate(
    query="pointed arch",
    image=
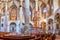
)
(12, 27)
(13, 12)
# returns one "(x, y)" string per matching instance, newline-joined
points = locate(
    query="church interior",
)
(29, 18)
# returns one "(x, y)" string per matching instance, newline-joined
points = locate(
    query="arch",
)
(50, 21)
(12, 23)
(13, 12)
(12, 27)
(13, 6)
(13, 3)
(50, 25)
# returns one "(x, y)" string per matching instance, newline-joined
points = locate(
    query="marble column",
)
(26, 11)
(8, 28)
(17, 28)
(21, 12)
(6, 18)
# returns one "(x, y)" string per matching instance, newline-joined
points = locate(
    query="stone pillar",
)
(17, 28)
(26, 11)
(20, 26)
(21, 12)
(47, 26)
(8, 22)
(8, 27)
(55, 6)
(36, 5)
(35, 19)
(6, 18)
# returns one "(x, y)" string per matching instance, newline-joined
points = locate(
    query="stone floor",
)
(57, 37)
